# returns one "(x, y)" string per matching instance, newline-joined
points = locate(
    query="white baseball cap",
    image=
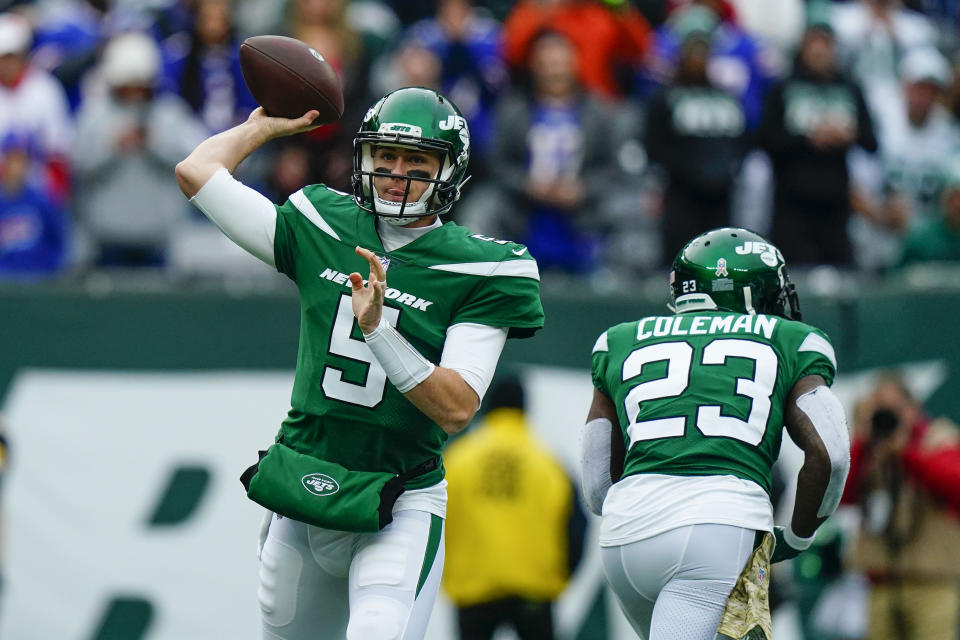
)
(15, 34)
(131, 58)
(926, 64)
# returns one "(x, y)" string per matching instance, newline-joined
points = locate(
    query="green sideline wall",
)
(69, 328)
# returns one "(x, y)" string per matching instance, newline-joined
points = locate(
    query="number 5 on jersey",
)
(370, 392)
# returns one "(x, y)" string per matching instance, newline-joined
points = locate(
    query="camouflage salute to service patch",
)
(747, 614)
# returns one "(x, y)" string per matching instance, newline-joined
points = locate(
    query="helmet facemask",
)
(787, 297)
(404, 211)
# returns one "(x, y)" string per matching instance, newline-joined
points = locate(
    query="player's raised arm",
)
(229, 148)
(816, 422)
(246, 216)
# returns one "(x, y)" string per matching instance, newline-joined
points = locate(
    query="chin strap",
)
(400, 221)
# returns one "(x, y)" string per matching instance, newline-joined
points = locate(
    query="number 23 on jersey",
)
(679, 358)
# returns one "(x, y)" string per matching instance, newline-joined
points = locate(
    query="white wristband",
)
(795, 541)
(403, 364)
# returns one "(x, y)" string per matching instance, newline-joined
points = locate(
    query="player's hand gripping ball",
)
(288, 78)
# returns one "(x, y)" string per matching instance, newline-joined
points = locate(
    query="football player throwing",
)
(403, 319)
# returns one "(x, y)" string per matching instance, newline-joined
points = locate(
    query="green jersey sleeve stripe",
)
(303, 204)
(818, 344)
(601, 343)
(513, 268)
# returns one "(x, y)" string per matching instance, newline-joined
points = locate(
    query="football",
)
(288, 78)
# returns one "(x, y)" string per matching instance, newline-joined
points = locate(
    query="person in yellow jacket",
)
(514, 524)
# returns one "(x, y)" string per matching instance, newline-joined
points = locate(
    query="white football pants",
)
(675, 584)
(316, 583)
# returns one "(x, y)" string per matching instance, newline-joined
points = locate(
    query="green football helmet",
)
(734, 270)
(414, 118)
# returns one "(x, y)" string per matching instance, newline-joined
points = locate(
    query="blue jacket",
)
(32, 234)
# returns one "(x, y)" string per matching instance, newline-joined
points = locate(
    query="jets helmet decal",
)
(733, 269)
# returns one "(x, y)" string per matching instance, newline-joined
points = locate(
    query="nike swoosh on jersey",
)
(518, 253)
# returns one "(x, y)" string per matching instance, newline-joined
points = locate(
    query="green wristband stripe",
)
(430, 555)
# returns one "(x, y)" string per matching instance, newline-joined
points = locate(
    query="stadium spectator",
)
(554, 162)
(412, 11)
(738, 64)
(695, 132)
(323, 24)
(414, 65)
(611, 42)
(937, 239)
(905, 477)
(203, 66)
(474, 73)
(32, 102)
(777, 23)
(68, 37)
(128, 141)
(914, 145)
(32, 226)
(811, 120)
(872, 38)
(515, 529)
(326, 26)
(904, 180)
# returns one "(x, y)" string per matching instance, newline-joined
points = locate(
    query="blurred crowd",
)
(604, 132)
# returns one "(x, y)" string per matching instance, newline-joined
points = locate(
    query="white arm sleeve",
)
(472, 350)
(245, 215)
(404, 365)
(595, 463)
(826, 414)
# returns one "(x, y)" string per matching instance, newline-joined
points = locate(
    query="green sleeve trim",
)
(598, 365)
(821, 369)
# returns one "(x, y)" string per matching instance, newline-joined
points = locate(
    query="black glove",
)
(782, 550)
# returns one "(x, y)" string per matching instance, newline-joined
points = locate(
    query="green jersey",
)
(702, 393)
(343, 408)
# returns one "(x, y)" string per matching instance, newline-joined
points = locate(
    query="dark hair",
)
(506, 393)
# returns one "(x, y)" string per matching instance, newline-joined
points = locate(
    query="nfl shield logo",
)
(385, 261)
(721, 268)
(761, 576)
